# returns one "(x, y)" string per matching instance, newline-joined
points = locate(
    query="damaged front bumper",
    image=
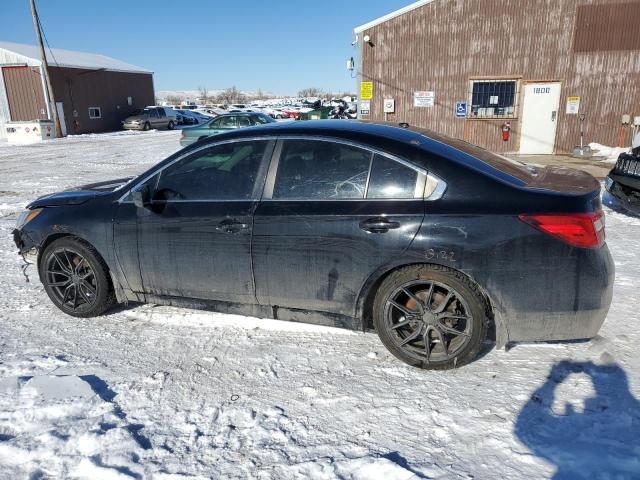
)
(27, 247)
(625, 189)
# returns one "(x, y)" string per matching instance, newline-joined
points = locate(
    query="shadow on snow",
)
(602, 441)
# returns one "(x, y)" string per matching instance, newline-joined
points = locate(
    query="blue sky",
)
(280, 46)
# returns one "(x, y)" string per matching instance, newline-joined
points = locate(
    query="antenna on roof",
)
(53, 108)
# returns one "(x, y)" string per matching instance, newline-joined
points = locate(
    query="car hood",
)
(78, 195)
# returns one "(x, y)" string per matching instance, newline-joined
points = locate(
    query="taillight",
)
(584, 230)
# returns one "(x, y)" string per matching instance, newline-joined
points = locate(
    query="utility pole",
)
(53, 108)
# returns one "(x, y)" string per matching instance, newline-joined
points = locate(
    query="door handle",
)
(378, 225)
(231, 226)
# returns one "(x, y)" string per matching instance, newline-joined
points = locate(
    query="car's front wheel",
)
(76, 278)
(430, 316)
(170, 126)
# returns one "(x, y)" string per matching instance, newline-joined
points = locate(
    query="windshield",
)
(140, 111)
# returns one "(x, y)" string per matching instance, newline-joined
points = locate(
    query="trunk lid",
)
(563, 180)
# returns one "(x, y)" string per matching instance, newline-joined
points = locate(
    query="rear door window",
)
(321, 170)
(244, 121)
(391, 179)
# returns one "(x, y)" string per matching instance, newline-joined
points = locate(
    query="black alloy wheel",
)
(429, 320)
(430, 317)
(76, 278)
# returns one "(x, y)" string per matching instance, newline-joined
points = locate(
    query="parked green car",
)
(223, 123)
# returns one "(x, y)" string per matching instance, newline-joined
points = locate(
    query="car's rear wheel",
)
(430, 317)
(76, 278)
(170, 125)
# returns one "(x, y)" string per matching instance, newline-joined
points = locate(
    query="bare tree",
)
(231, 95)
(174, 99)
(204, 94)
(311, 92)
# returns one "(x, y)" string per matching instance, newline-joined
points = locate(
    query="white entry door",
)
(539, 118)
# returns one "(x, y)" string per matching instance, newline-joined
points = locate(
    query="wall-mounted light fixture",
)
(367, 39)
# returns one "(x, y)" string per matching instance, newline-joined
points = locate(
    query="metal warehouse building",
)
(467, 68)
(93, 92)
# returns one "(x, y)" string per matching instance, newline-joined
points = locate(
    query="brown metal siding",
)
(80, 89)
(24, 93)
(442, 45)
(619, 21)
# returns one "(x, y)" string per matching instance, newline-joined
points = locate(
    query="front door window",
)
(222, 172)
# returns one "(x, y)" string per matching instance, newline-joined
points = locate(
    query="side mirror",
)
(142, 196)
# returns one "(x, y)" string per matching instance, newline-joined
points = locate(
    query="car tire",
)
(171, 125)
(146, 126)
(408, 321)
(76, 278)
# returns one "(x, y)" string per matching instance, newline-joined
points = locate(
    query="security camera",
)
(355, 42)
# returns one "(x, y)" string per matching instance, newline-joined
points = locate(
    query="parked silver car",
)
(151, 117)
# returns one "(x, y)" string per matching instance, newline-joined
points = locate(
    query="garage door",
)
(24, 93)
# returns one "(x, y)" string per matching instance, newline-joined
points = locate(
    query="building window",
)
(94, 112)
(493, 98)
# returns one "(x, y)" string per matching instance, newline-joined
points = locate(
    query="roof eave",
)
(391, 15)
(80, 67)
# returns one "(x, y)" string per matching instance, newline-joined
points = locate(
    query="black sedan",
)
(425, 239)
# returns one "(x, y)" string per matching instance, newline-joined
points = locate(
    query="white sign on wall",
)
(365, 107)
(424, 99)
(573, 105)
(389, 105)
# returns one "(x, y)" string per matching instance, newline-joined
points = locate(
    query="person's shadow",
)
(602, 441)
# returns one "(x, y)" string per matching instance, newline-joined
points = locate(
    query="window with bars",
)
(493, 98)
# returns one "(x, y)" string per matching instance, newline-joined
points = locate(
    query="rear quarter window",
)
(391, 179)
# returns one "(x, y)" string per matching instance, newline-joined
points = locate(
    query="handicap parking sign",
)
(461, 109)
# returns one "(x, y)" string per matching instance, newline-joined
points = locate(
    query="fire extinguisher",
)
(506, 128)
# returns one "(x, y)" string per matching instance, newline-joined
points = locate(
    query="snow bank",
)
(609, 154)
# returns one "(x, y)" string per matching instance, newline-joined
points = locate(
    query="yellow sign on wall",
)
(366, 90)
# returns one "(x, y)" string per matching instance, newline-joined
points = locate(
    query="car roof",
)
(236, 114)
(388, 134)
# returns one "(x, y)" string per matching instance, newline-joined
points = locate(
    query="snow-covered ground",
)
(165, 393)
(607, 154)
